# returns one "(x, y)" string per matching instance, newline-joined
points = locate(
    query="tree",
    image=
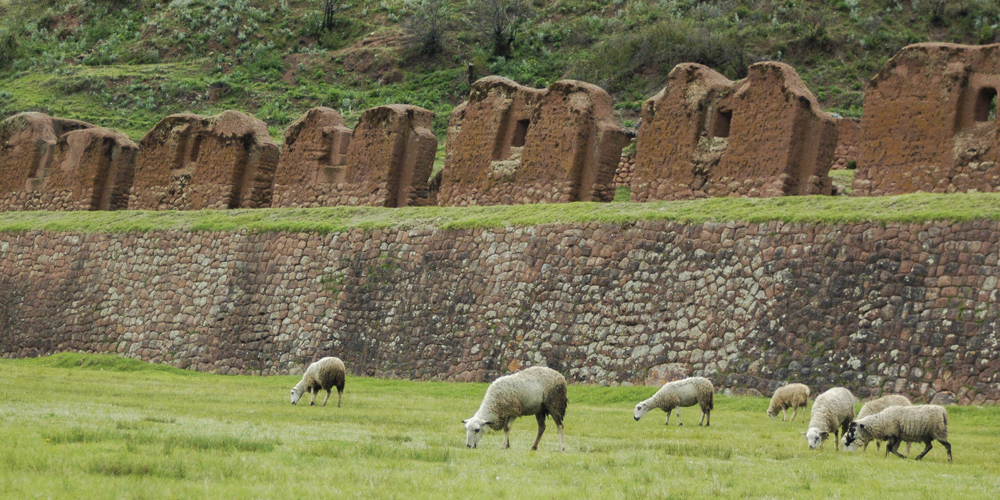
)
(330, 9)
(426, 23)
(500, 21)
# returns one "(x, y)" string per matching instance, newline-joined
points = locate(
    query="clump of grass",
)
(139, 466)
(103, 362)
(220, 443)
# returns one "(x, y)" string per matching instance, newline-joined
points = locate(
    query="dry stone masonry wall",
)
(909, 308)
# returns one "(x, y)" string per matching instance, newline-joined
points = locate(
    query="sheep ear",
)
(488, 424)
(824, 435)
(803, 433)
(465, 421)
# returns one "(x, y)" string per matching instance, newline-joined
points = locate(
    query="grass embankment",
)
(124, 429)
(817, 209)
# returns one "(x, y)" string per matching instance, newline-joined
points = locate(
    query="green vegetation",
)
(128, 63)
(820, 209)
(82, 432)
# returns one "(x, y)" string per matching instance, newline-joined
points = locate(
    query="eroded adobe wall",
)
(927, 123)
(509, 144)
(909, 308)
(28, 144)
(192, 162)
(313, 160)
(704, 135)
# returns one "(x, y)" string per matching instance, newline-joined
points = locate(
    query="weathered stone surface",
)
(902, 308)
(927, 124)
(848, 143)
(27, 144)
(704, 135)
(313, 160)
(510, 144)
(191, 162)
(390, 159)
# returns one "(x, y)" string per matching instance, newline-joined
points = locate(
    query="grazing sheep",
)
(680, 394)
(833, 412)
(895, 424)
(537, 391)
(324, 374)
(876, 405)
(793, 396)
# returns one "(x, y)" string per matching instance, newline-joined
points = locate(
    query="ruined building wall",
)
(848, 143)
(313, 160)
(876, 307)
(191, 162)
(29, 146)
(704, 135)
(390, 158)
(510, 144)
(927, 124)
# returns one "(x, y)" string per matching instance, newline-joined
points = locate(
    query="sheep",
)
(789, 396)
(876, 405)
(895, 424)
(832, 411)
(324, 374)
(680, 394)
(537, 391)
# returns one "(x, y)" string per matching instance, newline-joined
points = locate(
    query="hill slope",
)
(127, 63)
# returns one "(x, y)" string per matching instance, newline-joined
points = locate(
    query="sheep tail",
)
(711, 400)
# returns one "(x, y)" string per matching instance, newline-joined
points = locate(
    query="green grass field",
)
(919, 207)
(119, 428)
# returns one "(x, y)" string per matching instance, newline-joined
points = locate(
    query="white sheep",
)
(896, 424)
(325, 374)
(537, 391)
(833, 412)
(793, 396)
(876, 405)
(681, 394)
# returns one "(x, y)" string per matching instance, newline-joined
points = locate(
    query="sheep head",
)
(475, 427)
(815, 438)
(640, 410)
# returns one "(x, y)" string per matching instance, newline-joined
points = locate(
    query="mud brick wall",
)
(909, 308)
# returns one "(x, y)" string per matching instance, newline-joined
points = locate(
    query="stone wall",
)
(704, 135)
(928, 124)
(848, 143)
(909, 308)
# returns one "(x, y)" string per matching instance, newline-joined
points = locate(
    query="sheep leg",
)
(893, 446)
(340, 395)
(312, 399)
(795, 411)
(908, 448)
(705, 417)
(928, 448)
(783, 414)
(327, 397)
(668, 418)
(506, 437)
(946, 444)
(679, 423)
(541, 429)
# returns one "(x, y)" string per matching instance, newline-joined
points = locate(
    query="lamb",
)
(833, 412)
(895, 424)
(876, 405)
(681, 394)
(789, 396)
(324, 374)
(537, 391)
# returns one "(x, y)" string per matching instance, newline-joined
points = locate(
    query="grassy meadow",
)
(81, 426)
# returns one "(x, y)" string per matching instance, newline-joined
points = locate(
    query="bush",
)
(8, 47)
(426, 25)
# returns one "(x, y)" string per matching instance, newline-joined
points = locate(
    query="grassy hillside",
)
(79, 426)
(128, 63)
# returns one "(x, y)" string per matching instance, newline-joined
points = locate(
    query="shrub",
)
(8, 47)
(426, 25)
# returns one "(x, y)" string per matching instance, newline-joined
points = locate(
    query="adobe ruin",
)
(704, 135)
(389, 160)
(49, 163)
(930, 122)
(313, 160)
(510, 144)
(191, 162)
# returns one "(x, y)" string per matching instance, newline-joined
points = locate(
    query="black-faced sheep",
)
(793, 396)
(325, 374)
(681, 394)
(537, 391)
(896, 424)
(876, 405)
(833, 412)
